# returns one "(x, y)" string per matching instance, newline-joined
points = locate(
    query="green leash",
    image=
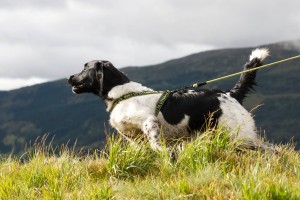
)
(195, 85)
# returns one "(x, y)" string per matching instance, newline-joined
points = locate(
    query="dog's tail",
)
(247, 80)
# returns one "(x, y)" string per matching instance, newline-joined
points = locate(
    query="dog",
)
(179, 113)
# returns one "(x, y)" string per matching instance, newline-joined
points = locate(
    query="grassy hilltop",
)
(211, 167)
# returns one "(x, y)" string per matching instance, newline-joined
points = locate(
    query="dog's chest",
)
(132, 113)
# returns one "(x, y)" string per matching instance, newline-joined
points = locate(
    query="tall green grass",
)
(210, 167)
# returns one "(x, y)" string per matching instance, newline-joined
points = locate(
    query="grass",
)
(210, 167)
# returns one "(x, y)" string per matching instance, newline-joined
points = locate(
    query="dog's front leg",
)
(151, 129)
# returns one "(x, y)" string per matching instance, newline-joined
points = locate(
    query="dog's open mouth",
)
(77, 88)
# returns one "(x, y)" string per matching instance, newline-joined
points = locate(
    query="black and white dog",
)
(182, 113)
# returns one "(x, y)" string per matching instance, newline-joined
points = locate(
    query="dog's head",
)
(97, 77)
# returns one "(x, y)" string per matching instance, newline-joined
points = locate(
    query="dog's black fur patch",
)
(198, 105)
(246, 82)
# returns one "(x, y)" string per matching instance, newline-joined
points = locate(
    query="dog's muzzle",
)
(76, 86)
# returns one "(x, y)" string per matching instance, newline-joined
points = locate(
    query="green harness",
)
(159, 104)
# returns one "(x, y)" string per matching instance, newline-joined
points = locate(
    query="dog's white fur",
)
(260, 53)
(137, 114)
(236, 118)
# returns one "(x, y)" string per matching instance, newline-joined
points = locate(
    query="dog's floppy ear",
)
(109, 77)
(100, 77)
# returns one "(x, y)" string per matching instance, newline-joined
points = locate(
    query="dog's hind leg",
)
(151, 129)
(263, 146)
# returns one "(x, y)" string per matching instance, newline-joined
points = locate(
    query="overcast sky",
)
(51, 39)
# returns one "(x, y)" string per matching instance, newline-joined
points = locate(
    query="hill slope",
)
(208, 168)
(52, 108)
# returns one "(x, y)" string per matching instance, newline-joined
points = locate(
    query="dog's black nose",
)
(70, 79)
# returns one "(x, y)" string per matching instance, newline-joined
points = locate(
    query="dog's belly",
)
(130, 130)
(173, 131)
(126, 128)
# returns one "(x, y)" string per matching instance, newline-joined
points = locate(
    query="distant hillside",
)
(53, 109)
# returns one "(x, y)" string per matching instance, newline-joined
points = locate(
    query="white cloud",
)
(15, 83)
(54, 38)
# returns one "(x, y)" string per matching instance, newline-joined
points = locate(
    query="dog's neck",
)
(120, 90)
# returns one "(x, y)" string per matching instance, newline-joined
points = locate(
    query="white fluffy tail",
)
(259, 53)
